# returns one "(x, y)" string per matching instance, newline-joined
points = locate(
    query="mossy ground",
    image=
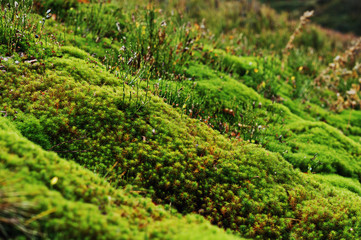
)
(233, 139)
(79, 204)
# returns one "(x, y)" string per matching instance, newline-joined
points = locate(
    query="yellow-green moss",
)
(71, 105)
(63, 200)
(175, 159)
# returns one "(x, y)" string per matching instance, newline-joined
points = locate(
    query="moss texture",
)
(127, 141)
(173, 159)
(81, 205)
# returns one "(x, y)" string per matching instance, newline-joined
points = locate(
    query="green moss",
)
(79, 204)
(350, 184)
(238, 65)
(125, 134)
(198, 71)
(77, 53)
(226, 89)
(86, 113)
(308, 144)
(30, 127)
(322, 148)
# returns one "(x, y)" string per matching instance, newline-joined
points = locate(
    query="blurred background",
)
(341, 15)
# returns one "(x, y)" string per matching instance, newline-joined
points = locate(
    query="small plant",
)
(132, 99)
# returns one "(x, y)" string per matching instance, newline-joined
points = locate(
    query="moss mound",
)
(63, 200)
(173, 159)
(133, 107)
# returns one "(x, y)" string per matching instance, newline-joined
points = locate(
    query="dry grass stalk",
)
(303, 20)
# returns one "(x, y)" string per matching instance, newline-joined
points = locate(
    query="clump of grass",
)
(95, 19)
(13, 211)
(15, 30)
(138, 45)
(152, 39)
(22, 33)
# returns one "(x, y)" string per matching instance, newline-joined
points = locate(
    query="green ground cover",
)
(156, 115)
